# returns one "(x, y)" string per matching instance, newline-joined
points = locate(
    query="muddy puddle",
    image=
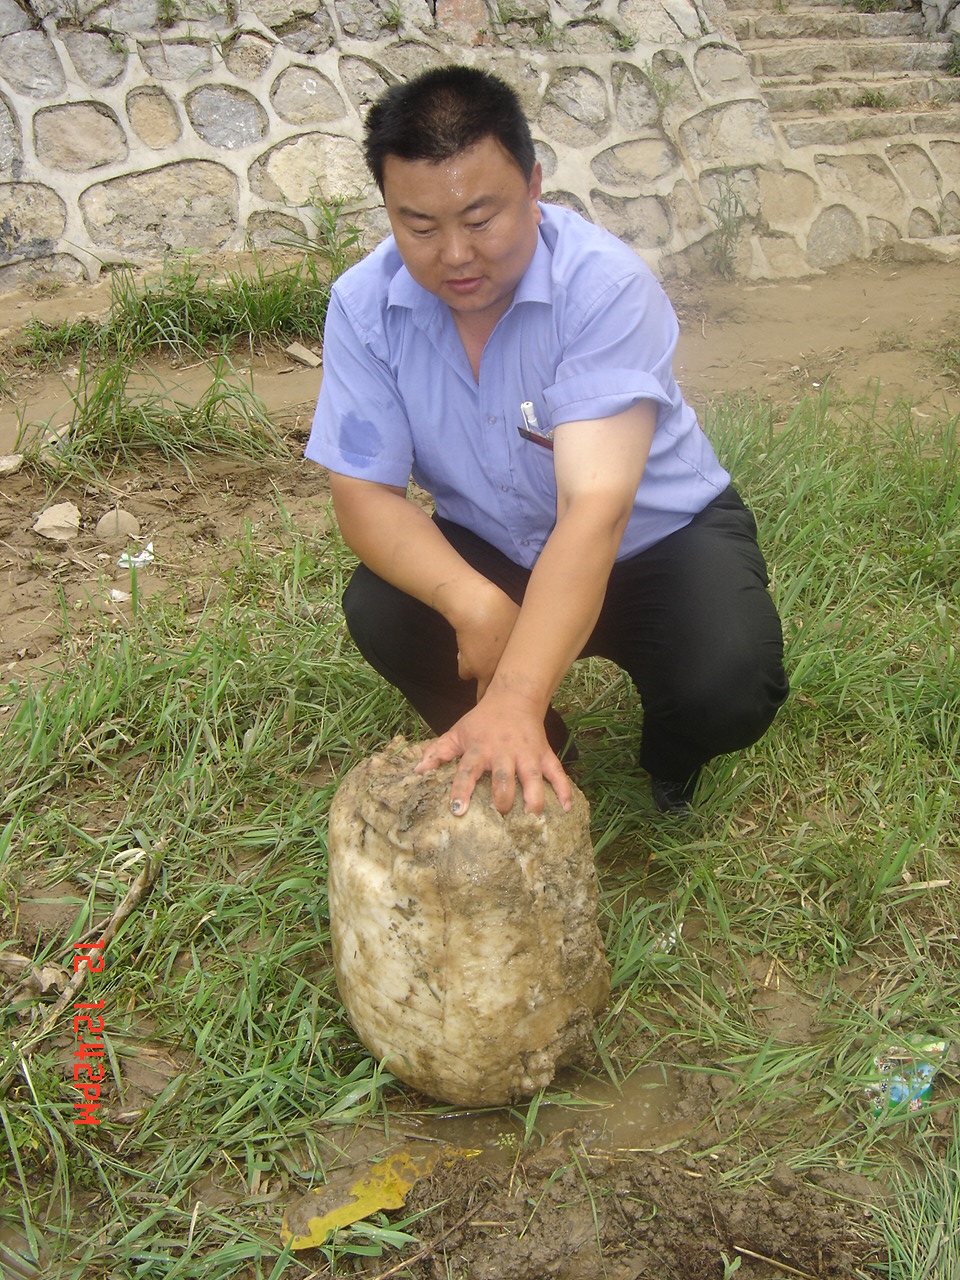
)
(649, 1110)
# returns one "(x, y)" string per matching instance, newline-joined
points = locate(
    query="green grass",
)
(111, 424)
(188, 310)
(947, 356)
(922, 1228)
(210, 732)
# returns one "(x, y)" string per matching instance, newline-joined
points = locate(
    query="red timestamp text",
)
(88, 1039)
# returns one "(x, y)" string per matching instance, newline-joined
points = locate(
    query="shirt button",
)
(503, 488)
(492, 420)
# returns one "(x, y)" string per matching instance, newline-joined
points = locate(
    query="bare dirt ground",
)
(643, 1207)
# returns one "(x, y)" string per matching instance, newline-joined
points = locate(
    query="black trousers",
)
(690, 620)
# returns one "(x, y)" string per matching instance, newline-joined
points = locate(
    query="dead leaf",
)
(351, 1196)
(33, 981)
(59, 523)
(13, 964)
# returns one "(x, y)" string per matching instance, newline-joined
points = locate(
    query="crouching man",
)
(516, 361)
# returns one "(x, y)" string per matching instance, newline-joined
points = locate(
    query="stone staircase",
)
(832, 76)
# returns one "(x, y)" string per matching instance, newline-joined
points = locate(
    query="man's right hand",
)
(483, 625)
(398, 540)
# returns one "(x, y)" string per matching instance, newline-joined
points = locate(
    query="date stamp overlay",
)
(88, 1038)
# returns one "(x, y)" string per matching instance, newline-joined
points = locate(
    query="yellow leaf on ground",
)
(351, 1196)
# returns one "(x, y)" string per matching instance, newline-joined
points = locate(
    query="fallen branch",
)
(31, 1038)
(781, 1266)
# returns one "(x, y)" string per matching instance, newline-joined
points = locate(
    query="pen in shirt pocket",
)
(531, 427)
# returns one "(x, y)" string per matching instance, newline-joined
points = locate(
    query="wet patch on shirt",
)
(360, 436)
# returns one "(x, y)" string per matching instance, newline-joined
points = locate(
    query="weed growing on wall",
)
(729, 214)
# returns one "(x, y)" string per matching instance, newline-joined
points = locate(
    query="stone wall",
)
(135, 128)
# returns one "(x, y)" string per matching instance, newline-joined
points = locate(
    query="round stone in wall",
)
(249, 56)
(639, 220)
(301, 95)
(130, 15)
(575, 107)
(363, 81)
(410, 58)
(867, 178)
(739, 133)
(649, 23)
(634, 163)
(192, 204)
(672, 83)
(153, 118)
(78, 136)
(883, 235)
(834, 238)
(175, 59)
(268, 230)
(276, 13)
(687, 209)
(310, 35)
(11, 146)
(226, 117)
(922, 225)
(61, 268)
(635, 105)
(547, 158)
(315, 164)
(946, 154)
(722, 72)
(32, 220)
(589, 37)
(787, 197)
(98, 61)
(29, 64)
(950, 215)
(362, 19)
(568, 200)
(12, 18)
(915, 170)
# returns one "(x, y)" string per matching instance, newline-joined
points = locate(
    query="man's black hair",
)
(443, 112)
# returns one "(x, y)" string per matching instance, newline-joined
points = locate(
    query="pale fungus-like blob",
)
(466, 950)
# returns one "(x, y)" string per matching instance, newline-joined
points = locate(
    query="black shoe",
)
(671, 797)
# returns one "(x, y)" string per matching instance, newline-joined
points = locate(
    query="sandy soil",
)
(631, 1209)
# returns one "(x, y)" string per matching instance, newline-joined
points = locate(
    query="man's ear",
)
(536, 181)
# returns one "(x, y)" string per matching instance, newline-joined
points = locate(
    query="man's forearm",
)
(401, 544)
(561, 605)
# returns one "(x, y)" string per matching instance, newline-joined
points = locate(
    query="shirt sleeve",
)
(619, 353)
(360, 427)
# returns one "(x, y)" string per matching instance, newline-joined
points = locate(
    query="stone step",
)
(809, 23)
(780, 7)
(820, 60)
(892, 92)
(841, 129)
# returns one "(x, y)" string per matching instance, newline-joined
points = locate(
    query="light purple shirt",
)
(588, 334)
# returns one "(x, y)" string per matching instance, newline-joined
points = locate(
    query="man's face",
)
(466, 227)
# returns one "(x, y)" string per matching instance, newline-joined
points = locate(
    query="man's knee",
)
(734, 697)
(366, 612)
